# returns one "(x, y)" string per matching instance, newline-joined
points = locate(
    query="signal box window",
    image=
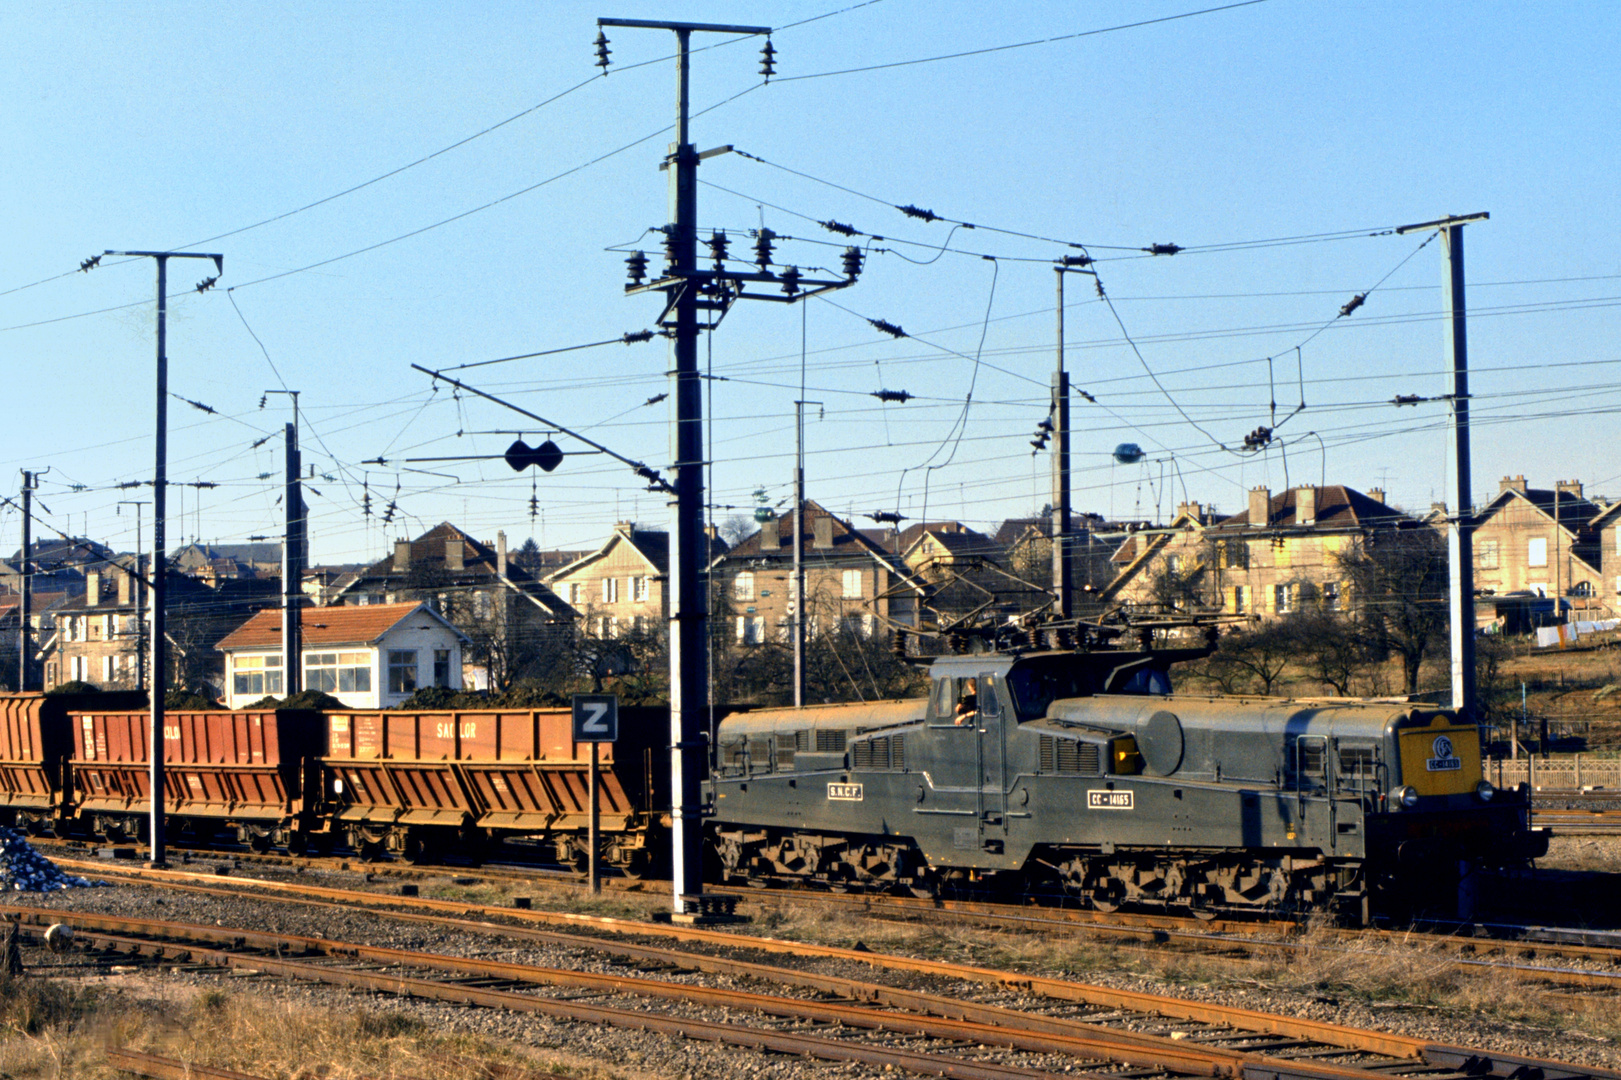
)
(347, 671)
(402, 671)
(251, 674)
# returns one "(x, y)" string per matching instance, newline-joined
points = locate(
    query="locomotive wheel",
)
(1108, 894)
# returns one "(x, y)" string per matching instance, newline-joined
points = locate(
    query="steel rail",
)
(1003, 1027)
(1046, 986)
(164, 1068)
(995, 1027)
(815, 1046)
(1226, 942)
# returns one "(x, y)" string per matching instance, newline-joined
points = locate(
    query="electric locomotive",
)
(1083, 771)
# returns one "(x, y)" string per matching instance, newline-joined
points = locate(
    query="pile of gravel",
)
(22, 869)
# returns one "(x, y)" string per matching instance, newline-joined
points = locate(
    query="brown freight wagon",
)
(223, 771)
(421, 782)
(35, 741)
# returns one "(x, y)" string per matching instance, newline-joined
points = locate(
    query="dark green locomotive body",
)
(1084, 770)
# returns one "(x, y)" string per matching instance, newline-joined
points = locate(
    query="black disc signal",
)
(520, 455)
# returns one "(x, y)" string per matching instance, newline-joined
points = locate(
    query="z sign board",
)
(596, 717)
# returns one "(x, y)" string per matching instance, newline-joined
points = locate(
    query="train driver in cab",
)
(968, 702)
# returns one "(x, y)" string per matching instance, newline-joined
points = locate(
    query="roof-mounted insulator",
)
(602, 51)
(851, 260)
(1352, 304)
(919, 213)
(790, 280)
(900, 397)
(762, 248)
(717, 244)
(768, 60)
(887, 327)
(636, 267)
(89, 264)
(837, 227)
(1163, 249)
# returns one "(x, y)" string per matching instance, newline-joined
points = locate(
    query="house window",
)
(610, 590)
(402, 671)
(638, 589)
(1487, 551)
(256, 675)
(1240, 599)
(1173, 563)
(852, 584)
(608, 627)
(743, 587)
(1537, 552)
(76, 669)
(750, 629)
(482, 605)
(345, 672)
(1331, 596)
(441, 667)
(573, 592)
(108, 669)
(1283, 599)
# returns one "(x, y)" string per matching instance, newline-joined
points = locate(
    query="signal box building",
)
(370, 657)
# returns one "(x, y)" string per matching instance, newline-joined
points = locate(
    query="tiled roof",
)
(1338, 507)
(344, 625)
(847, 541)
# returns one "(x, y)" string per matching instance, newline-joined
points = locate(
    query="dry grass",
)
(52, 1029)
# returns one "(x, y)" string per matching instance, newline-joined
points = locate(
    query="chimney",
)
(770, 535)
(501, 555)
(402, 556)
(1511, 483)
(125, 581)
(1568, 488)
(822, 532)
(1377, 495)
(455, 554)
(1439, 509)
(1260, 507)
(1305, 505)
(1190, 509)
(92, 588)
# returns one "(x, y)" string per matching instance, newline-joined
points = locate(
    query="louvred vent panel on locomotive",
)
(883, 752)
(1068, 756)
(830, 741)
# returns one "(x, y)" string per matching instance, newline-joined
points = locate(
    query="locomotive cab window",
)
(945, 698)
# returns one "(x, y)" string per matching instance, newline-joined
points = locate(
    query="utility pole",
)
(798, 624)
(1063, 566)
(160, 485)
(25, 579)
(140, 591)
(1461, 525)
(292, 559)
(689, 291)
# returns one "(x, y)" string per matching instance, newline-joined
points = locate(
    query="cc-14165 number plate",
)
(844, 792)
(1110, 800)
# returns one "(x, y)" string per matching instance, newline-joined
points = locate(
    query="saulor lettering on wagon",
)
(844, 792)
(1444, 760)
(1110, 800)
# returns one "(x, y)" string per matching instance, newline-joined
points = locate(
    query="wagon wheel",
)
(372, 842)
(33, 824)
(261, 838)
(298, 843)
(638, 865)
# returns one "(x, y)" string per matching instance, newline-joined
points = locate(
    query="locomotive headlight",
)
(1407, 796)
(1484, 791)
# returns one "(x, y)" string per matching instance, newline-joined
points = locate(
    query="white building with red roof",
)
(367, 657)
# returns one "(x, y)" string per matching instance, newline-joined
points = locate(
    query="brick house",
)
(509, 617)
(367, 657)
(1542, 541)
(963, 573)
(620, 587)
(849, 578)
(1280, 555)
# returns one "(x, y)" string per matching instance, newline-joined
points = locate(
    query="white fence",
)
(1568, 772)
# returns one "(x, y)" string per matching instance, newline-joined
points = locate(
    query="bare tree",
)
(1333, 647)
(737, 528)
(1249, 658)
(1398, 583)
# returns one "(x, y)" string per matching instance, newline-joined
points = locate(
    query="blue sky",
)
(155, 125)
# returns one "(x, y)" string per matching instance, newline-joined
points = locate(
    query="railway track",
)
(1544, 962)
(1578, 822)
(1061, 1027)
